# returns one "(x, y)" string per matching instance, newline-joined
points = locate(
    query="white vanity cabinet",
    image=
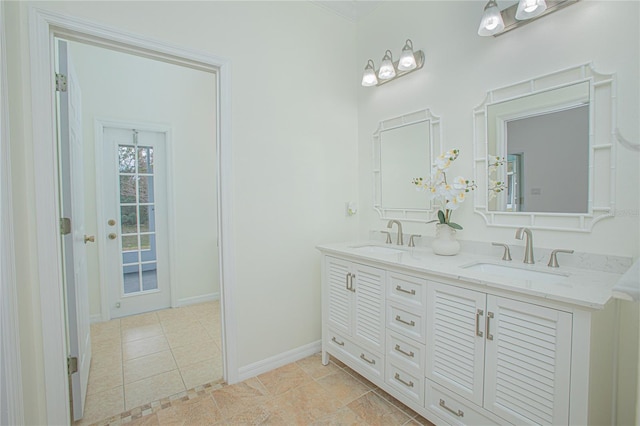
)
(462, 351)
(354, 314)
(509, 357)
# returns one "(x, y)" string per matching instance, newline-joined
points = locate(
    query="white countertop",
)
(576, 286)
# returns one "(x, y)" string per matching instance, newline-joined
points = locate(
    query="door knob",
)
(112, 236)
(90, 238)
(111, 222)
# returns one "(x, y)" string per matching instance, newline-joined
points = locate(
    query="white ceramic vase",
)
(445, 243)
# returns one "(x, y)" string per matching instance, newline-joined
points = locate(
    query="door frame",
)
(99, 126)
(43, 27)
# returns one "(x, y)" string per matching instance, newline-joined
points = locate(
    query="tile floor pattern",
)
(165, 368)
(301, 393)
(143, 359)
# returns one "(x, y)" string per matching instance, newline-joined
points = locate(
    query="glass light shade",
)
(528, 9)
(369, 76)
(491, 22)
(387, 70)
(407, 61)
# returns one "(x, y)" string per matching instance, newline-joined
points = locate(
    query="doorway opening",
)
(44, 26)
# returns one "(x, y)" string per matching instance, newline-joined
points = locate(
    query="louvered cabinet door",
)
(339, 299)
(528, 354)
(369, 293)
(455, 342)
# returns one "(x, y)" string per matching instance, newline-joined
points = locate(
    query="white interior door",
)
(134, 186)
(73, 243)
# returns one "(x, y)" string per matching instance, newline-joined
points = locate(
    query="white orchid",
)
(449, 194)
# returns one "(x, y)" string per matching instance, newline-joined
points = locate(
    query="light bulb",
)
(387, 70)
(528, 9)
(407, 60)
(369, 76)
(491, 22)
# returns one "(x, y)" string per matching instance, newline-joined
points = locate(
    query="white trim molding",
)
(209, 297)
(11, 401)
(43, 27)
(279, 360)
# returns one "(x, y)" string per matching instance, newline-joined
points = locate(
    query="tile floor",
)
(144, 358)
(147, 371)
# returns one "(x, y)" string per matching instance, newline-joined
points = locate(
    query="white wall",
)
(294, 156)
(120, 86)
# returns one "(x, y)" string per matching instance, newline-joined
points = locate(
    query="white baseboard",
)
(279, 360)
(181, 302)
(210, 297)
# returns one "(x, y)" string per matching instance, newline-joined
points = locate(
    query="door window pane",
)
(145, 159)
(129, 219)
(126, 159)
(127, 189)
(145, 189)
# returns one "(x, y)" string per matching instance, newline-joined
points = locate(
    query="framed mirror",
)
(544, 152)
(403, 149)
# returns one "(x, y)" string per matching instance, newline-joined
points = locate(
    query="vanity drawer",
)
(406, 352)
(405, 381)
(455, 409)
(406, 321)
(407, 289)
(362, 359)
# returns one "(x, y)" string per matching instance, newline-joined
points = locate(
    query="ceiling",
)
(352, 10)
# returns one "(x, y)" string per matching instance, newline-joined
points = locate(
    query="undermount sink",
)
(508, 271)
(371, 249)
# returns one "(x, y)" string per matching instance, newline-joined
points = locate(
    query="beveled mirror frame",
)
(602, 137)
(435, 143)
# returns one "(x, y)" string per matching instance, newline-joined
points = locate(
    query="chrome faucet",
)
(528, 249)
(390, 225)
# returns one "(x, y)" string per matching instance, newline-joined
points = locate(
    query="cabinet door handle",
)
(348, 281)
(489, 316)
(410, 384)
(334, 340)
(353, 289)
(458, 413)
(409, 354)
(479, 313)
(411, 323)
(411, 292)
(370, 361)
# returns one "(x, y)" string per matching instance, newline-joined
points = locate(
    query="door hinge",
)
(61, 83)
(65, 225)
(72, 365)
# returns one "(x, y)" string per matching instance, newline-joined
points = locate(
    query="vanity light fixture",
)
(389, 70)
(496, 22)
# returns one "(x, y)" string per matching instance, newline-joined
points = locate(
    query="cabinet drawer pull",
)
(409, 354)
(333, 339)
(411, 292)
(370, 361)
(410, 384)
(458, 413)
(479, 313)
(411, 323)
(489, 316)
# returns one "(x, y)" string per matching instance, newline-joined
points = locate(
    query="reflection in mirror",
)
(544, 151)
(541, 145)
(403, 149)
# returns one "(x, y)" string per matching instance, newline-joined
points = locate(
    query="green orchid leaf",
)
(441, 216)
(454, 225)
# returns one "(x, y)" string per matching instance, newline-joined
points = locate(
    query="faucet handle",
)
(411, 243)
(507, 253)
(553, 259)
(388, 236)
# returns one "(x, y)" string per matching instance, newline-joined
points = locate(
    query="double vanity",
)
(472, 339)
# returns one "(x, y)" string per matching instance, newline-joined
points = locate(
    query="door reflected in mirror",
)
(539, 151)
